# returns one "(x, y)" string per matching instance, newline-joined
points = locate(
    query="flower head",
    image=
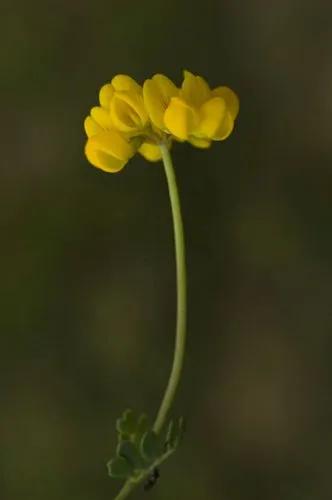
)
(194, 113)
(132, 119)
(120, 126)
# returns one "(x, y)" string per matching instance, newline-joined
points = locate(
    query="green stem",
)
(130, 485)
(180, 340)
(125, 490)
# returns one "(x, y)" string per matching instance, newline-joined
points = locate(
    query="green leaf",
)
(169, 435)
(174, 434)
(120, 468)
(181, 427)
(129, 451)
(150, 446)
(131, 426)
(127, 423)
(142, 426)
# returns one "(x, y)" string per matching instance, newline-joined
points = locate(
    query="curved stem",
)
(125, 490)
(180, 339)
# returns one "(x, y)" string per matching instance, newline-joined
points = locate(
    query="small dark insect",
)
(152, 479)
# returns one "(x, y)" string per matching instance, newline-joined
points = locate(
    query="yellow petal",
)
(111, 143)
(180, 118)
(195, 89)
(166, 87)
(124, 83)
(91, 127)
(101, 117)
(151, 152)
(231, 99)
(157, 94)
(225, 129)
(121, 116)
(136, 103)
(103, 160)
(128, 113)
(212, 114)
(105, 95)
(200, 143)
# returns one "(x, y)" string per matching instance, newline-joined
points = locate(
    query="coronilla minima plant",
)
(147, 119)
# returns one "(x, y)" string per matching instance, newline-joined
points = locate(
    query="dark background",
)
(87, 267)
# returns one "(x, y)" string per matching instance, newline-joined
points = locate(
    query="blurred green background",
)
(87, 267)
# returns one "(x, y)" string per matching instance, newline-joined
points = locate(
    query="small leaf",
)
(142, 426)
(129, 451)
(150, 446)
(181, 427)
(123, 437)
(127, 423)
(169, 435)
(119, 468)
(174, 434)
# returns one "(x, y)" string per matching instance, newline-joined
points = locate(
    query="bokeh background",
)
(87, 267)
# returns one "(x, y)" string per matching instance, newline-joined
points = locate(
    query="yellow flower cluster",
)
(133, 118)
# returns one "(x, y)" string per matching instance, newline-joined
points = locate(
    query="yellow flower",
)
(126, 106)
(194, 113)
(108, 150)
(158, 92)
(133, 119)
(120, 126)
